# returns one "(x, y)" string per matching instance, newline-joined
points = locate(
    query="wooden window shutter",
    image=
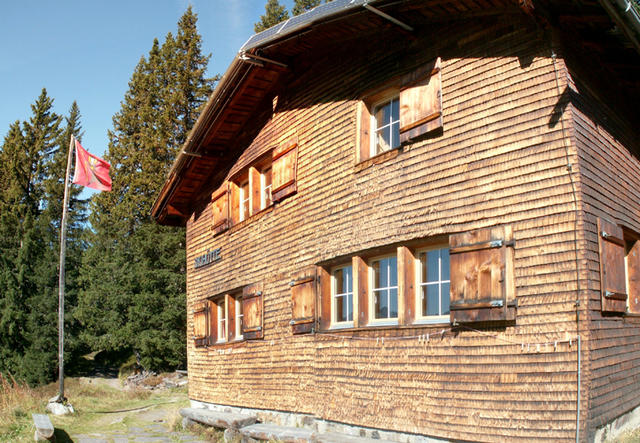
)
(201, 323)
(613, 284)
(364, 135)
(234, 203)
(633, 276)
(323, 281)
(303, 300)
(421, 102)
(213, 322)
(252, 310)
(284, 169)
(254, 186)
(220, 208)
(482, 276)
(406, 285)
(360, 291)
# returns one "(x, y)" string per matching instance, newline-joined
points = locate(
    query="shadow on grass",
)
(61, 436)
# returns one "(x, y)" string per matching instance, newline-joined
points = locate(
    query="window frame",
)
(419, 317)
(220, 316)
(334, 324)
(388, 321)
(241, 199)
(223, 303)
(263, 187)
(388, 97)
(238, 317)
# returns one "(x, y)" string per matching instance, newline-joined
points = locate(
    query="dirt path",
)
(152, 421)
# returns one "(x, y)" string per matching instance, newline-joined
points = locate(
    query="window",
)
(222, 313)
(238, 316)
(385, 126)
(405, 109)
(433, 283)
(342, 296)
(245, 200)
(225, 319)
(384, 288)
(265, 188)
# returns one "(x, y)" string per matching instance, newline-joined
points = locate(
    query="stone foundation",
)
(308, 421)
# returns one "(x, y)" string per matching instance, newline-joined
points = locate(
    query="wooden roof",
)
(600, 30)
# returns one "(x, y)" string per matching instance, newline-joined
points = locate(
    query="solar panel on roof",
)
(318, 13)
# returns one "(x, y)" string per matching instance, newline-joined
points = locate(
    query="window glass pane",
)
(350, 307)
(377, 282)
(433, 302)
(393, 271)
(266, 188)
(340, 308)
(432, 265)
(346, 282)
(444, 256)
(383, 114)
(393, 303)
(395, 110)
(338, 275)
(445, 298)
(423, 299)
(381, 306)
(395, 135)
(383, 139)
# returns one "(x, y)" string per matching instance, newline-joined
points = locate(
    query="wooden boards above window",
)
(482, 276)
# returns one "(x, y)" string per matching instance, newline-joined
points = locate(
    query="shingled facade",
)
(423, 221)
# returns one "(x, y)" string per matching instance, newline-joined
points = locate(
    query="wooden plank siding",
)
(609, 162)
(501, 159)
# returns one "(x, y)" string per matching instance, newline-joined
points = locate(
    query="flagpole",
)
(63, 247)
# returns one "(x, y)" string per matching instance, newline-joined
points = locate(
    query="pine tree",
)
(28, 283)
(133, 273)
(274, 14)
(301, 6)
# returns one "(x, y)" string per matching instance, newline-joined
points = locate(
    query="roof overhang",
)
(263, 62)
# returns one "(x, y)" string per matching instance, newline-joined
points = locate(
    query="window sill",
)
(226, 344)
(377, 159)
(387, 327)
(435, 320)
(346, 325)
(383, 322)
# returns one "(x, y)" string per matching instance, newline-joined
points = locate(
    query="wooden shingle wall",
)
(502, 159)
(609, 161)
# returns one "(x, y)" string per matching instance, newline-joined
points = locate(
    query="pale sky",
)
(86, 50)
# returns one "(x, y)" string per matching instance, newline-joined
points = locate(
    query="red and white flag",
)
(91, 171)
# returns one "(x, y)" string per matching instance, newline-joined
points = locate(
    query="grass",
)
(17, 401)
(98, 407)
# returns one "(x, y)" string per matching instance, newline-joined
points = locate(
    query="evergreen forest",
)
(125, 279)
(125, 274)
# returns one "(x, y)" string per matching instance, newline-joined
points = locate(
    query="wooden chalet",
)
(421, 219)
